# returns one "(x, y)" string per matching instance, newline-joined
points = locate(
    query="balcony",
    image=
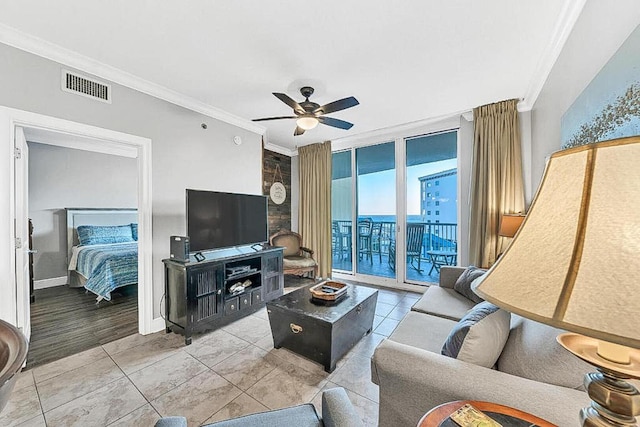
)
(429, 246)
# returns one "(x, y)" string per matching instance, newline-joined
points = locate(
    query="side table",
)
(436, 416)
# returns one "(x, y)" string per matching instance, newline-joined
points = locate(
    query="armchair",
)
(297, 259)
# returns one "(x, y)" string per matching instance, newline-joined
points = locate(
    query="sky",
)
(377, 191)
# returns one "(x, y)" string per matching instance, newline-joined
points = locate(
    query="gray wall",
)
(183, 154)
(601, 29)
(63, 177)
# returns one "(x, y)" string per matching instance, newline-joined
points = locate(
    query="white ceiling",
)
(404, 61)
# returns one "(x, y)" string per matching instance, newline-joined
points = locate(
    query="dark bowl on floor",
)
(13, 353)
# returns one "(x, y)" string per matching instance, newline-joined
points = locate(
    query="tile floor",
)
(226, 373)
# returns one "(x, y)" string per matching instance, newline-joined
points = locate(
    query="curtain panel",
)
(315, 203)
(497, 187)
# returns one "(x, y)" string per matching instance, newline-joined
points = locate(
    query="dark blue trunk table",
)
(322, 332)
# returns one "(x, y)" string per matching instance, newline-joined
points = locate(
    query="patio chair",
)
(336, 239)
(376, 243)
(365, 230)
(415, 233)
(296, 258)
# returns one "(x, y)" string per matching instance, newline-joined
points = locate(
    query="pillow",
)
(101, 234)
(532, 352)
(463, 284)
(134, 231)
(479, 336)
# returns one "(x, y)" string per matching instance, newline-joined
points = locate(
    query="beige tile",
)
(398, 313)
(285, 386)
(53, 369)
(367, 345)
(355, 375)
(382, 309)
(265, 343)
(250, 328)
(197, 399)
(386, 327)
(262, 314)
(388, 297)
(24, 379)
(162, 376)
(23, 405)
(131, 341)
(73, 384)
(141, 356)
(34, 422)
(247, 367)
(98, 408)
(377, 320)
(240, 406)
(145, 416)
(218, 346)
(292, 358)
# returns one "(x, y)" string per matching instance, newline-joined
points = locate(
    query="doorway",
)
(63, 133)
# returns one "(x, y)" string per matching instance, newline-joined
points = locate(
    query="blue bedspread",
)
(108, 267)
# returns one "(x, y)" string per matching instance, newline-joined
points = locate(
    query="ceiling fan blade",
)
(290, 102)
(336, 123)
(274, 118)
(298, 131)
(341, 104)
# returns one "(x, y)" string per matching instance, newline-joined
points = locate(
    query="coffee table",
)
(321, 331)
(505, 415)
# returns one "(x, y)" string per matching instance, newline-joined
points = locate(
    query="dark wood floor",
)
(66, 321)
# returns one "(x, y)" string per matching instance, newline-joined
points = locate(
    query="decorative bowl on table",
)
(328, 290)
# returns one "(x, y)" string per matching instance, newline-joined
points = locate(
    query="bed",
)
(102, 249)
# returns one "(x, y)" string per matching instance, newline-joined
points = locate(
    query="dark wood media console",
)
(199, 295)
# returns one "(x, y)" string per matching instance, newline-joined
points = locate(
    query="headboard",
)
(95, 216)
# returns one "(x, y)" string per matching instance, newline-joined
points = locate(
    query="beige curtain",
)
(315, 203)
(496, 186)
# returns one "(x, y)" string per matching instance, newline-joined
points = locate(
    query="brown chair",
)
(297, 259)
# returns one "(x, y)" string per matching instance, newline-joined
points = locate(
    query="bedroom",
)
(65, 318)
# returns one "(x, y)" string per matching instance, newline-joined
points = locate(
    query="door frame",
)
(399, 135)
(89, 138)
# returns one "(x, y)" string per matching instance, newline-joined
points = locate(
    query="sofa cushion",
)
(297, 262)
(532, 352)
(479, 336)
(422, 331)
(463, 284)
(443, 302)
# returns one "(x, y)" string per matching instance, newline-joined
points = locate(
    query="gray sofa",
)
(533, 372)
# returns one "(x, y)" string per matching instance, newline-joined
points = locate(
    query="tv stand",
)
(206, 295)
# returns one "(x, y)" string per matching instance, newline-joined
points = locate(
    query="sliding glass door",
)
(394, 209)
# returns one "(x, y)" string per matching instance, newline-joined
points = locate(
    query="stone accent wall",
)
(279, 215)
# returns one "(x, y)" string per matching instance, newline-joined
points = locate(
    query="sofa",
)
(533, 372)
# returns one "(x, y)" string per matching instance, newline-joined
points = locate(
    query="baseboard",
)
(50, 283)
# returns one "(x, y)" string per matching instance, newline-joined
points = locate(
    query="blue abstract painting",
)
(609, 107)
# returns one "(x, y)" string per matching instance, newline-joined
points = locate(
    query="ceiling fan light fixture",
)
(307, 122)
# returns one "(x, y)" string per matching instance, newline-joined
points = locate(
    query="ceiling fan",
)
(309, 114)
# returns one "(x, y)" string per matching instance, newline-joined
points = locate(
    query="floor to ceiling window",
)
(396, 231)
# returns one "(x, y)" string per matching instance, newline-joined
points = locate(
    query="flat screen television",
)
(221, 220)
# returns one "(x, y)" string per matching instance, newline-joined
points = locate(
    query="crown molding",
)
(37, 46)
(279, 149)
(568, 17)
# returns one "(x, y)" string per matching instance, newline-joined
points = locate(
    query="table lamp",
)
(575, 265)
(509, 224)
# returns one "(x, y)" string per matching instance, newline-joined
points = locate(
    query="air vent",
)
(82, 85)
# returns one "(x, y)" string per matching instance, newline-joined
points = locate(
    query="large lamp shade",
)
(575, 263)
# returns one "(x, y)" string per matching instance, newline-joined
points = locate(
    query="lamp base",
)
(614, 401)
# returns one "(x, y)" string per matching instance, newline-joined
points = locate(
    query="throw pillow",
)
(463, 284)
(532, 352)
(134, 231)
(479, 336)
(103, 234)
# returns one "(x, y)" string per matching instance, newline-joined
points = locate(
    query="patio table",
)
(440, 258)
